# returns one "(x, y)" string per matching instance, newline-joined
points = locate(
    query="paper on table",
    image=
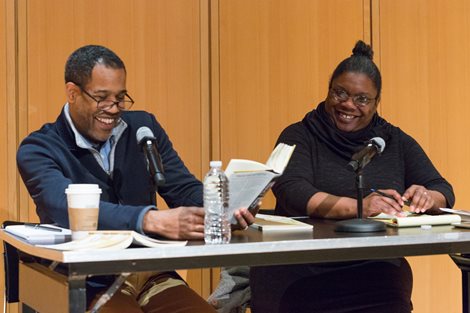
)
(35, 235)
(265, 222)
(455, 211)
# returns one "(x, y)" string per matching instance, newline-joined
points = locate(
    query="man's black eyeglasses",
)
(123, 104)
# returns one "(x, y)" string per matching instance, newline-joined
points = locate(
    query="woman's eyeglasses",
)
(341, 95)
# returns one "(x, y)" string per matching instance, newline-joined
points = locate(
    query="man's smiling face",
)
(106, 83)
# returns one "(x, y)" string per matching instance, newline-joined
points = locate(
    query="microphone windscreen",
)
(379, 142)
(143, 132)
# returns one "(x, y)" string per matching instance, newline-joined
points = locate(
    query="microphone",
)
(148, 144)
(361, 158)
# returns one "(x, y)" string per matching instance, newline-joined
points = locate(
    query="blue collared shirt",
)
(104, 155)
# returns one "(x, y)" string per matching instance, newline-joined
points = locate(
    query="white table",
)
(250, 247)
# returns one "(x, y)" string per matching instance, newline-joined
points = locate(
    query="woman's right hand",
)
(375, 204)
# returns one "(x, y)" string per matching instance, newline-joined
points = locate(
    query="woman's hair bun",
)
(363, 49)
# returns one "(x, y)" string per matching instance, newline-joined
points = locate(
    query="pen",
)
(406, 202)
(299, 217)
(43, 227)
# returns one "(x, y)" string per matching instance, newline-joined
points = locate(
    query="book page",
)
(250, 180)
(279, 223)
(245, 188)
(280, 157)
(240, 165)
(97, 240)
(146, 241)
(114, 240)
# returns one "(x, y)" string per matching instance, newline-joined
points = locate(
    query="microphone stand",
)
(158, 180)
(359, 224)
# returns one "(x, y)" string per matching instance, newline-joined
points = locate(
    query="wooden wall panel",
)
(425, 63)
(424, 51)
(276, 58)
(3, 125)
(158, 40)
(9, 81)
(3, 115)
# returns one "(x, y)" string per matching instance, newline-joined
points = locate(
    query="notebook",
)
(37, 235)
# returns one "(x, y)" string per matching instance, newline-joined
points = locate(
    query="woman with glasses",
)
(318, 183)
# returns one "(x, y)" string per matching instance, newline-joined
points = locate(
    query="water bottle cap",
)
(215, 164)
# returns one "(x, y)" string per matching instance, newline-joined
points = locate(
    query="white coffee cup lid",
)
(83, 188)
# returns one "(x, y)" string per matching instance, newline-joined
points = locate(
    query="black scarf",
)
(320, 124)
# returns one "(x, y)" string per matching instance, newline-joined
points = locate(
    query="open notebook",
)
(417, 219)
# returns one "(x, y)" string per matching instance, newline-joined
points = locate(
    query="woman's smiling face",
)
(360, 104)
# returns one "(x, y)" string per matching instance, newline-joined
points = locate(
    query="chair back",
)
(11, 264)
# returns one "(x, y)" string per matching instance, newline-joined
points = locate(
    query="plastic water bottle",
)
(216, 200)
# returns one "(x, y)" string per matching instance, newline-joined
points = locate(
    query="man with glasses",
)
(94, 141)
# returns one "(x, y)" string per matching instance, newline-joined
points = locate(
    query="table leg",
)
(77, 293)
(463, 262)
(26, 309)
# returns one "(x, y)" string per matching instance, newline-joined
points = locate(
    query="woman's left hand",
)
(420, 197)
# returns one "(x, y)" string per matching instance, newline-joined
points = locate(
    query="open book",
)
(265, 222)
(250, 180)
(418, 219)
(113, 240)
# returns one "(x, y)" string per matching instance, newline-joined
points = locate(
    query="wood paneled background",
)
(225, 77)
(4, 114)
(424, 56)
(276, 58)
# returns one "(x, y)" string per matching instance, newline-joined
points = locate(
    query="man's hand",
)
(180, 223)
(186, 223)
(244, 219)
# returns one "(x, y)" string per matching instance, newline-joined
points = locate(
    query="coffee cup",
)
(83, 202)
